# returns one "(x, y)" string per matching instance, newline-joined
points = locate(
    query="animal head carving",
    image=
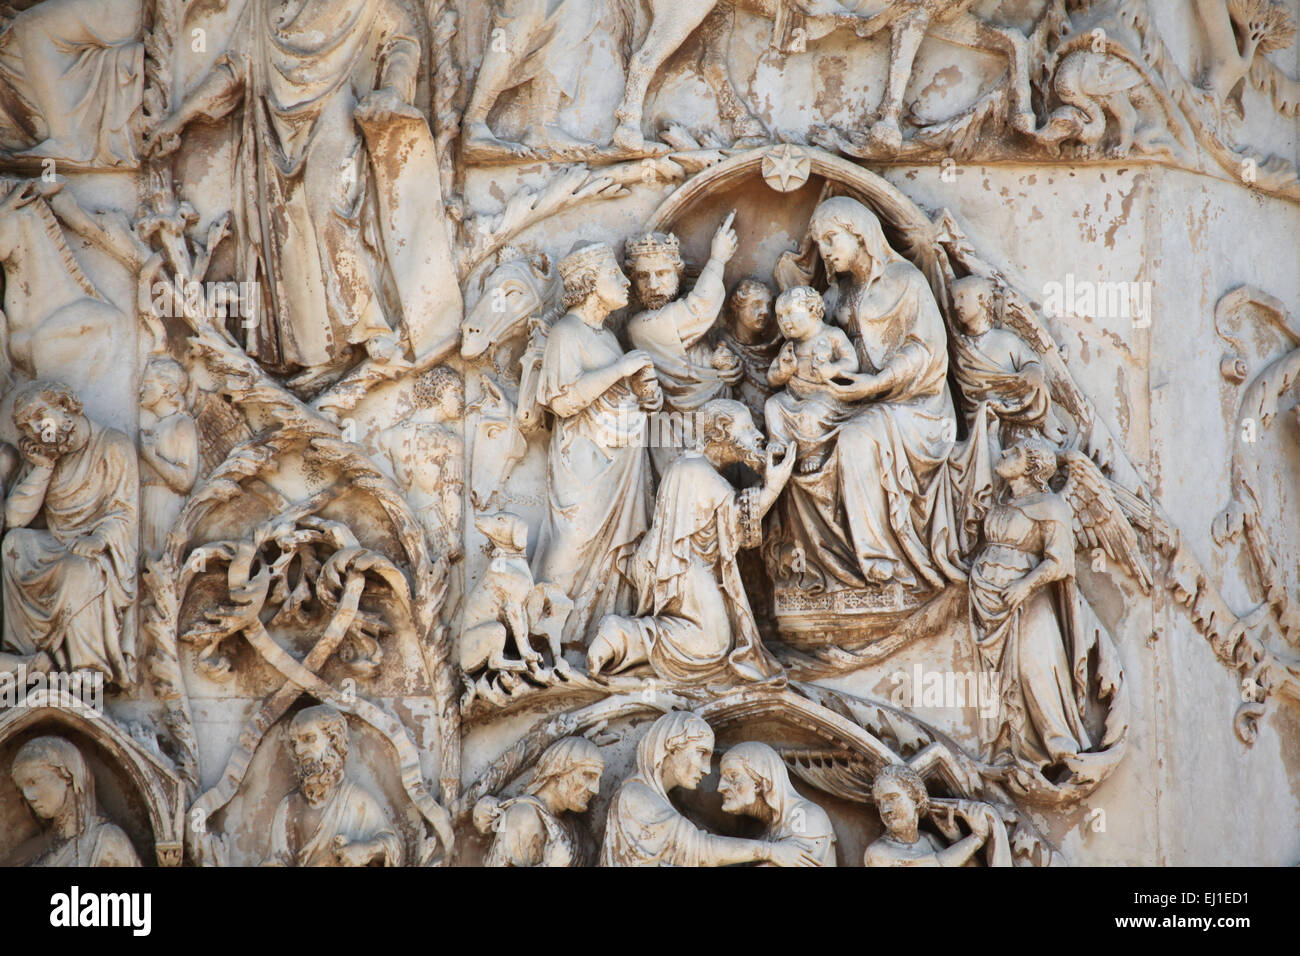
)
(505, 530)
(515, 291)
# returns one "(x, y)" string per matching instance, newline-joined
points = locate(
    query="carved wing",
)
(1099, 521)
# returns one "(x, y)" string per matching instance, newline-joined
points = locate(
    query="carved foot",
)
(886, 136)
(1025, 122)
(749, 132)
(386, 350)
(55, 148)
(878, 570)
(811, 464)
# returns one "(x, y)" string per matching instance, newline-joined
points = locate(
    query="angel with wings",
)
(1055, 662)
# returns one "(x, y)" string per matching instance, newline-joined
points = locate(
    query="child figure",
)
(807, 412)
(169, 449)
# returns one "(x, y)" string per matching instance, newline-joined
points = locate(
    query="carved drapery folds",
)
(553, 433)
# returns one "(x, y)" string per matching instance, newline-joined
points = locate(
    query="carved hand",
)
(165, 138)
(1017, 592)
(634, 362)
(34, 453)
(383, 104)
(725, 242)
(351, 854)
(87, 546)
(979, 822)
(787, 361)
(790, 854)
(780, 466)
(860, 385)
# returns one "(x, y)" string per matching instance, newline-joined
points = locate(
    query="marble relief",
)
(630, 433)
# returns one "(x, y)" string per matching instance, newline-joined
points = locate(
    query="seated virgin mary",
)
(889, 503)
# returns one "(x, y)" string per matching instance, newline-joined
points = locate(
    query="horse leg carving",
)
(672, 24)
(904, 42)
(716, 35)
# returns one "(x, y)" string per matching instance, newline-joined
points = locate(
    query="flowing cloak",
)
(516, 844)
(79, 609)
(555, 31)
(642, 828)
(694, 621)
(1037, 649)
(350, 811)
(307, 209)
(981, 376)
(893, 489)
(676, 339)
(100, 844)
(598, 480)
(94, 45)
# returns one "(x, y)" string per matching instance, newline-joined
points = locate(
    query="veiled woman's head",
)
(849, 237)
(753, 780)
(53, 778)
(676, 751)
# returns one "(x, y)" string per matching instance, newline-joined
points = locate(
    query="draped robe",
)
(91, 76)
(350, 811)
(307, 207)
(1037, 648)
(597, 483)
(892, 489)
(694, 619)
(78, 609)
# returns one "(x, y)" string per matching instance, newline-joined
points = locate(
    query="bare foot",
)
(54, 148)
(628, 137)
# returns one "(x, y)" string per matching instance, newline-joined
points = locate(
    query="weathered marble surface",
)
(612, 432)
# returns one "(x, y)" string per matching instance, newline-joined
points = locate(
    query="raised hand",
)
(725, 242)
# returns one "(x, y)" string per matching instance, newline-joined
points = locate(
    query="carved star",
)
(786, 168)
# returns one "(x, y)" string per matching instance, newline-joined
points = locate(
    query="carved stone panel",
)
(631, 432)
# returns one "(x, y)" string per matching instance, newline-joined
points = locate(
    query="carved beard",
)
(317, 778)
(61, 445)
(654, 301)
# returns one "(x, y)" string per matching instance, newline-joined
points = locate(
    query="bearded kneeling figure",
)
(694, 622)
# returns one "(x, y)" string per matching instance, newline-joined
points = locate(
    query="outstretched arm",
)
(705, 301)
(590, 386)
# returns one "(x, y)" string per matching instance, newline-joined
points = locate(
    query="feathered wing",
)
(1099, 521)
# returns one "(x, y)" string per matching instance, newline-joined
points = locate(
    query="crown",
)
(654, 243)
(583, 258)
